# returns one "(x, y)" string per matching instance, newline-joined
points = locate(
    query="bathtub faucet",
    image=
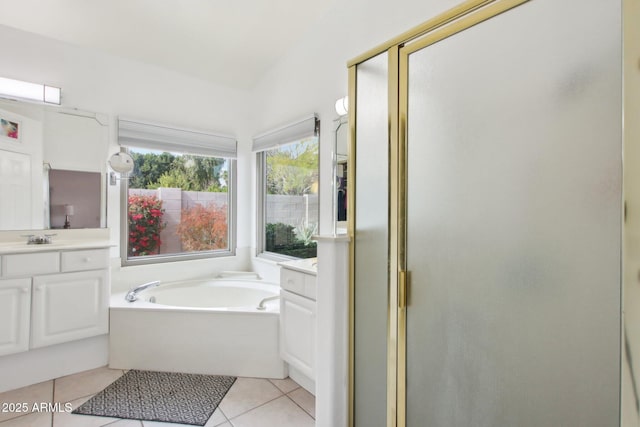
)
(132, 295)
(261, 306)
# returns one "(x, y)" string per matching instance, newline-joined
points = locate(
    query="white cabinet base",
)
(15, 308)
(297, 332)
(56, 315)
(298, 321)
(46, 363)
(304, 381)
(54, 307)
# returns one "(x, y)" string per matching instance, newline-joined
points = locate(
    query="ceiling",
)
(231, 43)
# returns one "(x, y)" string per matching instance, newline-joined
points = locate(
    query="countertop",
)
(308, 266)
(15, 242)
(59, 245)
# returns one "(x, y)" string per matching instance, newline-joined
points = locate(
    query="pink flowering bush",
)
(145, 225)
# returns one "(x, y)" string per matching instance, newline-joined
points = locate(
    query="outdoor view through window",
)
(291, 198)
(177, 204)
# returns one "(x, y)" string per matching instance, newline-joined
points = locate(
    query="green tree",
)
(203, 172)
(149, 167)
(173, 179)
(293, 169)
(189, 172)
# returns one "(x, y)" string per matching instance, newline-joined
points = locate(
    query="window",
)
(288, 192)
(178, 201)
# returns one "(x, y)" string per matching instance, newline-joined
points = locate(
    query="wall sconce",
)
(69, 210)
(122, 163)
(342, 106)
(16, 89)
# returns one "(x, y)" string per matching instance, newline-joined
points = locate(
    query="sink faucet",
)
(132, 295)
(44, 239)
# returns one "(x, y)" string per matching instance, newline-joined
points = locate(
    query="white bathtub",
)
(203, 327)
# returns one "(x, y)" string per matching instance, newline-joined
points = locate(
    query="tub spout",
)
(132, 295)
(261, 306)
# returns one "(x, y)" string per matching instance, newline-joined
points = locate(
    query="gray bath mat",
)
(160, 396)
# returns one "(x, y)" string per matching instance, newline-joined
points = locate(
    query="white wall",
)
(95, 81)
(314, 73)
(308, 79)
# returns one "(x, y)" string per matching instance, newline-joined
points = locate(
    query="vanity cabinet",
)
(51, 297)
(15, 303)
(298, 319)
(69, 306)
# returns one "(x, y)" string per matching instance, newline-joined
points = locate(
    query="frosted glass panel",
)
(371, 239)
(514, 207)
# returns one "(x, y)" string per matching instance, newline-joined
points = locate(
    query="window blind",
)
(165, 138)
(286, 134)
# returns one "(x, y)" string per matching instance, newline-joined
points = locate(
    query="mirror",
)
(74, 201)
(340, 174)
(52, 167)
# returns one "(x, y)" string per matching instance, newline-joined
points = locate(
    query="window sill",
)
(158, 259)
(274, 258)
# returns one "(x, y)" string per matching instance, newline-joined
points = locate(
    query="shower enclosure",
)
(488, 259)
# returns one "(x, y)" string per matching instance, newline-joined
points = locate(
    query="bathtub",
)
(201, 327)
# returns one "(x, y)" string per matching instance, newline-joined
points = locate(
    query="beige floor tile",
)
(286, 385)
(125, 423)
(39, 419)
(84, 383)
(216, 419)
(36, 393)
(160, 424)
(67, 419)
(246, 394)
(305, 400)
(281, 412)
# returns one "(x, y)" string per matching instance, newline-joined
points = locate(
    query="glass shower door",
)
(371, 242)
(513, 220)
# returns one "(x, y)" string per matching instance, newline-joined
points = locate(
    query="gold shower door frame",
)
(457, 19)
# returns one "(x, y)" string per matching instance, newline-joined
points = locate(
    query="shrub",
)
(203, 228)
(145, 225)
(281, 238)
(305, 232)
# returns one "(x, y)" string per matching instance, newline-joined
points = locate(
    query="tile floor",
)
(251, 402)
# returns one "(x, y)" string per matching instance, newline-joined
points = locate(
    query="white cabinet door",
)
(298, 332)
(69, 306)
(15, 302)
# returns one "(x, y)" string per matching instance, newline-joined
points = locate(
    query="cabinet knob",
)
(290, 281)
(25, 290)
(87, 259)
(39, 287)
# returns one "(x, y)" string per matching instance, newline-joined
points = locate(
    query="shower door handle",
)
(402, 289)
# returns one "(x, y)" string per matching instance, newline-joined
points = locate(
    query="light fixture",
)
(342, 106)
(16, 89)
(122, 163)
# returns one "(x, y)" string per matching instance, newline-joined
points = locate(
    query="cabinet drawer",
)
(298, 283)
(94, 259)
(292, 281)
(30, 264)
